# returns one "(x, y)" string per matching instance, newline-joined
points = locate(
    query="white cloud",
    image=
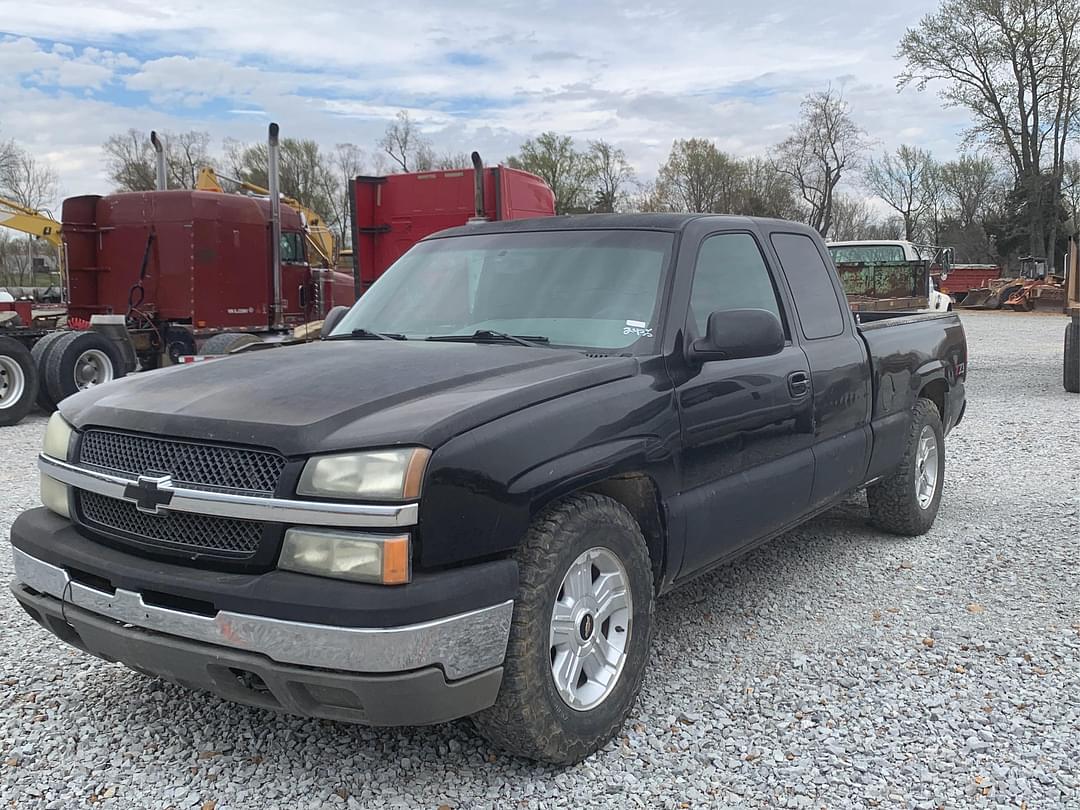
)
(638, 76)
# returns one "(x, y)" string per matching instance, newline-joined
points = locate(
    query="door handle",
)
(798, 383)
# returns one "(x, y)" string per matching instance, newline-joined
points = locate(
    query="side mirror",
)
(736, 333)
(332, 319)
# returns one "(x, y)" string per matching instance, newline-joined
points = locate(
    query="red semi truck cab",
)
(391, 214)
(197, 258)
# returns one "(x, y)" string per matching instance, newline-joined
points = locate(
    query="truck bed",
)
(911, 354)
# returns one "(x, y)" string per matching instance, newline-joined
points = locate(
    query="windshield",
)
(581, 289)
(867, 254)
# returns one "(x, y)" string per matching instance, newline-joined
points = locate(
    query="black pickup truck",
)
(467, 497)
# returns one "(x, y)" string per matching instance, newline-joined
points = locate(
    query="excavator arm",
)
(319, 237)
(27, 220)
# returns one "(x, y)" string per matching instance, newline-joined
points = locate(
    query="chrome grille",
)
(203, 532)
(254, 472)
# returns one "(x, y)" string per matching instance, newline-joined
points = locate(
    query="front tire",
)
(907, 502)
(580, 636)
(18, 381)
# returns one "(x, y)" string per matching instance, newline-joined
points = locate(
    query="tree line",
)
(1013, 67)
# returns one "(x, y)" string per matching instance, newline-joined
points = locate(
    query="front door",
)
(747, 424)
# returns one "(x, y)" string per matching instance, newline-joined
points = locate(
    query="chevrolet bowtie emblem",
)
(149, 493)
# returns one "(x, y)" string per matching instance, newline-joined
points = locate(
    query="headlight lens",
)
(57, 437)
(54, 496)
(383, 475)
(347, 555)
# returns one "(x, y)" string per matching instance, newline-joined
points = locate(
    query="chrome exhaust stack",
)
(479, 209)
(161, 183)
(273, 154)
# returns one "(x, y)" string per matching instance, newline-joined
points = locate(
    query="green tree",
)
(1014, 65)
(567, 171)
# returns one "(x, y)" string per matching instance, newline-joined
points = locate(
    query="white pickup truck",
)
(897, 250)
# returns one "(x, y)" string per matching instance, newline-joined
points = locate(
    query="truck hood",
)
(338, 395)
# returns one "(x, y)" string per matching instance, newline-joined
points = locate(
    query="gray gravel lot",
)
(835, 667)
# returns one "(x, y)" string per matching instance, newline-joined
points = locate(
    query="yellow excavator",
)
(319, 236)
(20, 218)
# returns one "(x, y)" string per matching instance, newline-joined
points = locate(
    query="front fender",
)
(485, 486)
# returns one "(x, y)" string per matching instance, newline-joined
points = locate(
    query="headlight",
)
(57, 437)
(347, 555)
(54, 496)
(381, 475)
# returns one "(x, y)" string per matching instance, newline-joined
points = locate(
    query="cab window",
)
(731, 274)
(292, 248)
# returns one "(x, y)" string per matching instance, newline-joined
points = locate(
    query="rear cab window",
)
(819, 308)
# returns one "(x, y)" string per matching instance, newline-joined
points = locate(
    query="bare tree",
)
(825, 144)
(28, 181)
(452, 160)
(766, 192)
(131, 163)
(8, 154)
(1015, 66)
(905, 181)
(406, 146)
(344, 163)
(853, 219)
(970, 186)
(32, 184)
(567, 172)
(1071, 192)
(186, 153)
(611, 174)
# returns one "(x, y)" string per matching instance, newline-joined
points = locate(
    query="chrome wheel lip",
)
(12, 382)
(926, 467)
(92, 367)
(590, 629)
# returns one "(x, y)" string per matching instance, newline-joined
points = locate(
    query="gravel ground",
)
(835, 667)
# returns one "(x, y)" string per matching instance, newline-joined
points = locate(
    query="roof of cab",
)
(583, 222)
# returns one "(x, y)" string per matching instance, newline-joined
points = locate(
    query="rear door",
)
(839, 367)
(747, 466)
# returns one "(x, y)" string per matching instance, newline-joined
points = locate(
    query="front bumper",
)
(415, 698)
(305, 644)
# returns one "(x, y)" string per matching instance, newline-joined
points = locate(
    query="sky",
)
(481, 75)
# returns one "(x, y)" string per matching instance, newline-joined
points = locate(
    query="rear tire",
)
(81, 360)
(18, 381)
(227, 342)
(1071, 368)
(907, 502)
(40, 354)
(578, 557)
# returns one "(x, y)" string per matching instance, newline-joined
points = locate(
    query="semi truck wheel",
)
(227, 341)
(907, 502)
(18, 381)
(580, 636)
(81, 360)
(40, 354)
(1071, 368)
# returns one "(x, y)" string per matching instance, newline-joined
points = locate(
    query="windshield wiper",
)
(535, 341)
(367, 334)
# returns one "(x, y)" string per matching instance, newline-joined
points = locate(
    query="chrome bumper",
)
(460, 645)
